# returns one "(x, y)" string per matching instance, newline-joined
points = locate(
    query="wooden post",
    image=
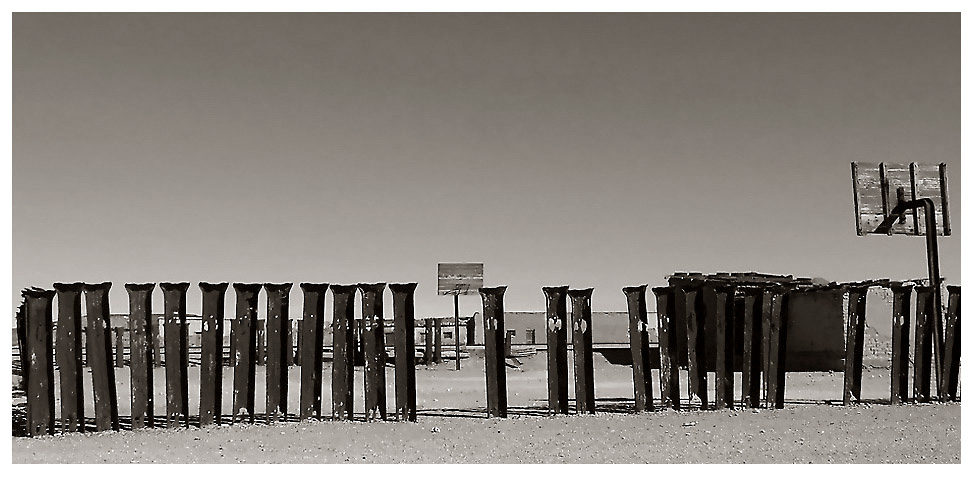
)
(39, 367)
(373, 340)
(277, 338)
(155, 341)
(696, 342)
(496, 370)
(582, 350)
(69, 356)
(669, 376)
(952, 344)
(177, 353)
(405, 327)
(753, 359)
(678, 329)
(777, 338)
(343, 343)
(211, 353)
(438, 340)
(261, 350)
(100, 356)
(719, 304)
(923, 347)
(428, 355)
(311, 341)
(855, 339)
(642, 370)
(119, 333)
(297, 330)
(245, 351)
(900, 366)
(140, 354)
(557, 341)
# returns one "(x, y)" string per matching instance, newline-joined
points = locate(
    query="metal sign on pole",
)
(458, 279)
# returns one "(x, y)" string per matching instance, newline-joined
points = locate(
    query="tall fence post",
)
(140, 353)
(312, 331)
(403, 312)
(923, 347)
(695, 319)
(244, 359)
(679, 328)
(99, 351)
(753, 359)
(952, 344)
(373, 340)
(642, 369)
(776, 336)
(211, 353)
(438, 340)
(69, 356)
(494, 335)
(428, 341)
(343, 344)
(176, 330)
(669, 375)
(855, 340)
(277, 337)
(900, 366)
(556, 314)
(719, 304)
(582, 350)
(39, 368)
(119, 333)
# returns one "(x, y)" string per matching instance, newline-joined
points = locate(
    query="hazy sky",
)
(587, 150)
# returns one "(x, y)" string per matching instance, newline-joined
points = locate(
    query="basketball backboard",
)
(876, 189)
(459, 278)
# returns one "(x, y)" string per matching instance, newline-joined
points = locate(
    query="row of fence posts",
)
(34, 325)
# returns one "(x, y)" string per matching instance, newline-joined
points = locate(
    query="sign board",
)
(875, 188)
(459, 278)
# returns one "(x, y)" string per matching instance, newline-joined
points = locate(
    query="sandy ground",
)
(453, 428)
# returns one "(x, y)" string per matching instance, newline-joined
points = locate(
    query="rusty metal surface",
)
(494, 335)
(556, 314)
(119, 333)
(679, 328)
(177, 353)
(244, 355)
(69, 356)
(312, 333)
(211, 353)
(874, 190)
(582, 350)
(99, 354)
(373, 341)
(952, 345)
(776, 336)
(278, 334)
(719, 306)
(751, 369)
(695, 319)
(39, 367)
(140, 353)
(459, 278)
(403, 312)
(923, 343)
(343, 343)
(669, 366)
(855, 340)
(900, 366)
(642, 376)
(437, 340)
(428, 341)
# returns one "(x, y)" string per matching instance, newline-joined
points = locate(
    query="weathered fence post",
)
(176, 332)
(776, 336)
(695, 319)
(438, 340)
(582, 350)
(343, 344)
(428, 341)
(952, 344)
(69, 356)
(642, 368)
(679, 327)
(277, 337)
(211, 353)
(244, 359)
(855, 339)
(900, 366)
(719, 303)
(373, 340)
(751, 314)
(669, 373)
(556, 299)
(38, 370)
(100, 355)
(496, 370)
(311, 340)
(119, 333)
(403, 311)
(260, 350)
(140, 353)
(923, 346)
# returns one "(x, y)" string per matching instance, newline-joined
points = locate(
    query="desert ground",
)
(452, 426)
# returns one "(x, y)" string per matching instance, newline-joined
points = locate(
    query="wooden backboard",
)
(875, 187)
(459, 278)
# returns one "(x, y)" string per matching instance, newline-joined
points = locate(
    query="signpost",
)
(458, 279)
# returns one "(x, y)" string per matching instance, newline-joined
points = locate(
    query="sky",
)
(589, 150)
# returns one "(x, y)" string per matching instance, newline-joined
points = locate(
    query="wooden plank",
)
(211, 353)
(177, 353)
(642, 370)
(69, 356)
(277, 338)
(855, 196)
(751, 315)
(373, 339)
(944, 221)
(556, 319)
(39, 367)
(923, 347)
(428, 341)
(343, 343)
(494, 334)
(855, 339)
(99, 354)
(696, 343)
(438, 340)
(900, 366)
(312, 332)
(952, 344)
(719, 300)
(119, 333)
(776, 337)
(403, 310)
(244, 357)
(140, 354)
(582, 350)
(669, 365)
